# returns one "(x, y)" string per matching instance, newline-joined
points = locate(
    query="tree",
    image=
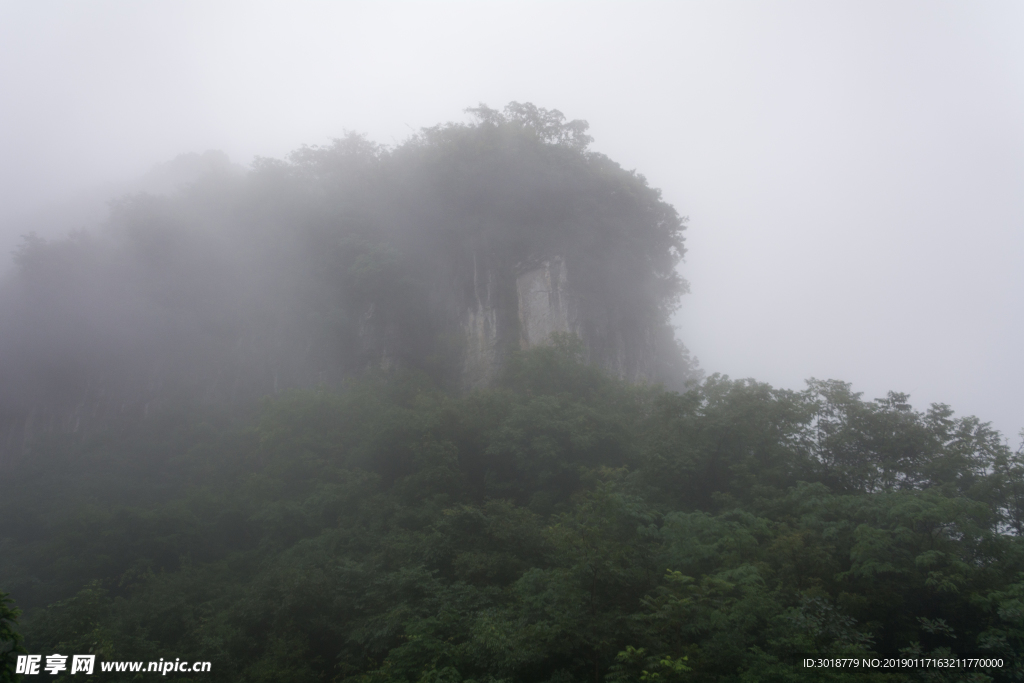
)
(10, 639)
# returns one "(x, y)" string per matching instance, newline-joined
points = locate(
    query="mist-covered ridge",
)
(462, 468)
(443, 254)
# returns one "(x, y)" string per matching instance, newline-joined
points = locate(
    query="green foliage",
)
(559, 526)
(308, 271)
(562, 526)
(10, 639)
(634, 664)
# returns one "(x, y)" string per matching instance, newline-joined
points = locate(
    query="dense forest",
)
(562, 526)
(244, 428)
(341, 258)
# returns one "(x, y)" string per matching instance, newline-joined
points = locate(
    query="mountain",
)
(447, 254)
(391, 416)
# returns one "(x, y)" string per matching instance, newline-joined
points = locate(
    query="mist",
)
(511, 341)
(852, 172)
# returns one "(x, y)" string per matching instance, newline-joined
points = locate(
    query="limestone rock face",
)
(546, 305)
(513, 309)
(521, 307)
(518, 308)
(480, 326)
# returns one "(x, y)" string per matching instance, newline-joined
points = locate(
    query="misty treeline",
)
(562, 525)
(353, 255)
(374, 518)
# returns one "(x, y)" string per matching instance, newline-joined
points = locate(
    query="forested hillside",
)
(562, 526)
(443, 254)
(417, 415)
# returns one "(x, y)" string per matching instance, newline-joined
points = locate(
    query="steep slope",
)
(445, 254)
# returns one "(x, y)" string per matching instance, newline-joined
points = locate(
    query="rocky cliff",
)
(541, 305)
(444, 255)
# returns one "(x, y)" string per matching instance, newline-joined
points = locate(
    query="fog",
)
(853, 172)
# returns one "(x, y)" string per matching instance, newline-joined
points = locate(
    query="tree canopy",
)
(241, 439)
(341, 257)
(561, 526)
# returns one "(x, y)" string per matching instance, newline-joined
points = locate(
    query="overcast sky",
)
(853, 171)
